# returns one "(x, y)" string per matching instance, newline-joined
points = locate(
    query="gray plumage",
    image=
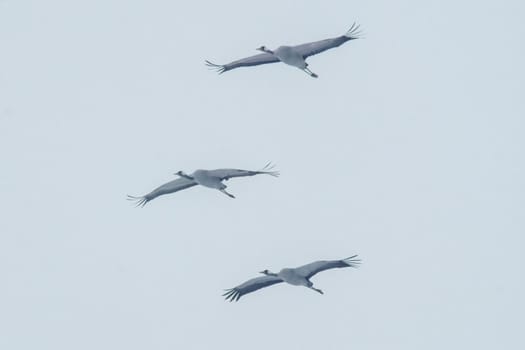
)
(207, 178)
(292, 55)
(299, 276)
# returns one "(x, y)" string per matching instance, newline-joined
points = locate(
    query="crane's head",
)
(269, 273)
(183, 174)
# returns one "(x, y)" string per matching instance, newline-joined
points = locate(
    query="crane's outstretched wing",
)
(225, 174)
(311, 269)
(313, 48)
(250, 286)
(169, 187)
(262, 58)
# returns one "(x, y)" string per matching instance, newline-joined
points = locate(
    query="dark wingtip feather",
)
(352, 261)
(139, 201)
(267, 169)
(232, 295)
(354, 32)
(218, 67)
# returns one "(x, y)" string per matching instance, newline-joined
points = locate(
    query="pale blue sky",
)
(408, 150)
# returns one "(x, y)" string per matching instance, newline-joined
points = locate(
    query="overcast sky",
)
(408, 150)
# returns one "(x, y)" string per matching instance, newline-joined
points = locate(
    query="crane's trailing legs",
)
(317, 290)
(310, 73)
(310, 285)
(226, 193)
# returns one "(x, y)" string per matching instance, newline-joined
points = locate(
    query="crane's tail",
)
(139, 201)
(267, 169)
(352, 261)
(218, 67)
(354, 32)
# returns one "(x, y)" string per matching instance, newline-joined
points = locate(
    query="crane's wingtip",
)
(267, 169)
(139, 201)
(352, 261)
(354, 32)
(218, 67)
(232, 295)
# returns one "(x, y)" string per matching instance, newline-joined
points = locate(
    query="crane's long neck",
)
(184, 175)
(264, 49)
(268, 273)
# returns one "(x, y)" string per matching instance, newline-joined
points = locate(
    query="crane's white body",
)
(299, 276)
(291, 276)
(207, 178)
(292, 55)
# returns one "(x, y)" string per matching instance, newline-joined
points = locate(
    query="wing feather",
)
(316, 47)
(225, 174)
(169, 187)
(234, 294)
(311, 269)
(256, 60)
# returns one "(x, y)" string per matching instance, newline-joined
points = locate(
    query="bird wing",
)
(313, 48)
(225, 174)
(311, 269)
(169, 187)
(262, 58)
(250, 286)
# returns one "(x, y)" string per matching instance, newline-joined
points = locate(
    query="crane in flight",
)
(299, 276)
(291, 55)
(207, 178)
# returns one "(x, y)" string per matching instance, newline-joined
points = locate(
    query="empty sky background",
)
(408, 150)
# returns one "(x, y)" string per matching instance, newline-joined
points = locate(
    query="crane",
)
(291, 55)
(299, 276)
(207, 178)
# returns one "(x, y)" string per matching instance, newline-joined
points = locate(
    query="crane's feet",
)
(228, 194)
(317, 290)
(310, 73)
